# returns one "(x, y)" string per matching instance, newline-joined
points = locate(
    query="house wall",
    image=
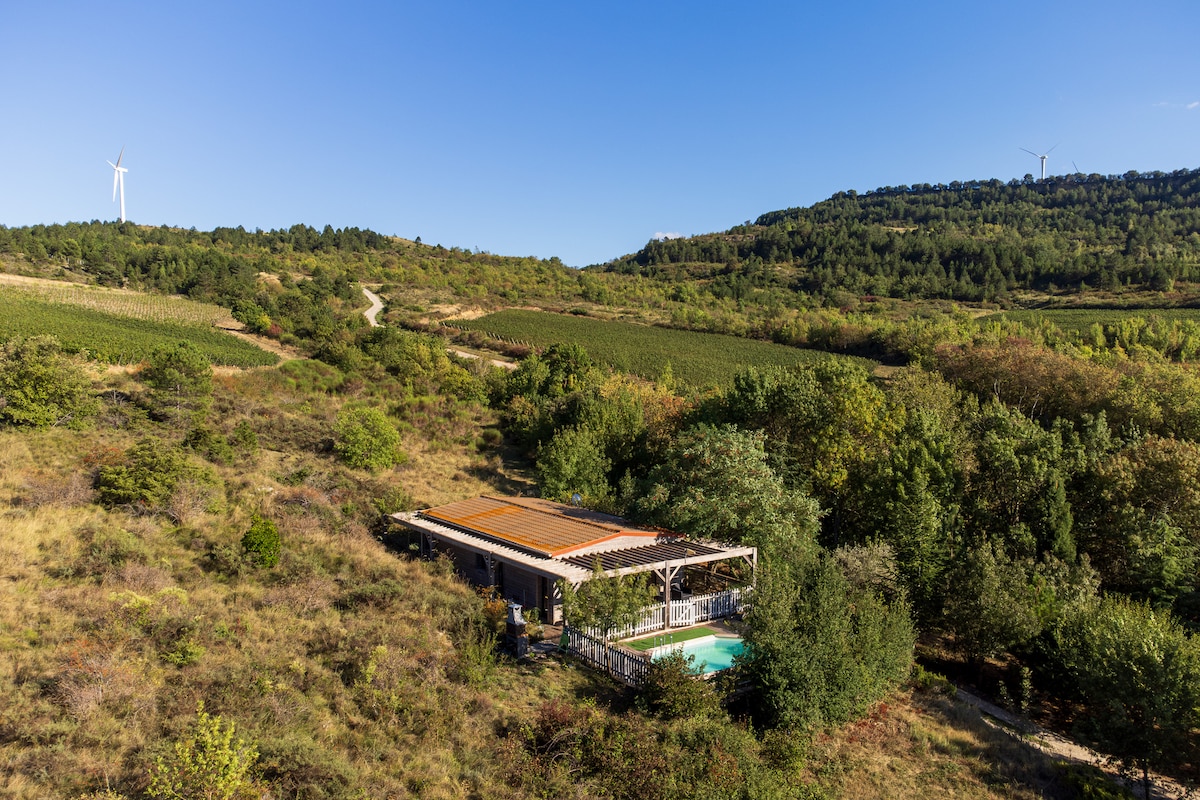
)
(466, 563)
(515, 582)
(520, 586)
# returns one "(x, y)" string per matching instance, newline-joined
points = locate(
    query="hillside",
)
(1007, 493)
(967, 241)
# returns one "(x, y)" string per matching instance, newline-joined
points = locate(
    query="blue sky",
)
(570, 129)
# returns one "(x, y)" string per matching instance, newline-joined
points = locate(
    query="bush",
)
(244, 438)
(209, 763)
(673, 688)
(210, 444)
(262, 543)
(157, 479)
(41, 387)
(366, 439)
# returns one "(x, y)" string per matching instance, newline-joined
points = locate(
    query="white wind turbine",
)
(119, 181)
(1042, 156)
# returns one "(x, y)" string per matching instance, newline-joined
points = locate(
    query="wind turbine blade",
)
(116, 177)
(1035, 155)
(120, 156)
(1048, 152)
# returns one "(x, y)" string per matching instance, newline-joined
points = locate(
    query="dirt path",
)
(372, 313)
(493, 361)
(1057, 746)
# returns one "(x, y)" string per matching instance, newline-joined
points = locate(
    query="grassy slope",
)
(92, 601)
(348, 666)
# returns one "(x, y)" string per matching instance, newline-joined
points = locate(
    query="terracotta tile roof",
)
(540, 526)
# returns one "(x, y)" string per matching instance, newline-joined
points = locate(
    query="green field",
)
(697, 359)
(120, 338)
(135, 305)
(1082, 319)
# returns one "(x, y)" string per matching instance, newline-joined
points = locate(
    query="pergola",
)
(516, 540)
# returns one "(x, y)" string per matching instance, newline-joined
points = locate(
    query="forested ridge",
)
(974, 240)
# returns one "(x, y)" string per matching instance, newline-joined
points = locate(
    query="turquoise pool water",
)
(715, 653)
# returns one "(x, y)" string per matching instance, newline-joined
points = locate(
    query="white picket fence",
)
(681, 613)
(625, 666)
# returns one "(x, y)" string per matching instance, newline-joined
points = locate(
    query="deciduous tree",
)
(1138, 674)
(40, 386)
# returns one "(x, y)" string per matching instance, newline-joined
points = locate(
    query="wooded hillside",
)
(973, 240)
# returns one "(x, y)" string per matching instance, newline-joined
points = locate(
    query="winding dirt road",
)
(372, 313)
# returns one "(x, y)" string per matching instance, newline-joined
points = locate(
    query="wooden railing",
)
(681, 613)
(625, 666)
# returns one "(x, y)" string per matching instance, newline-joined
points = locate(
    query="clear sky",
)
(570, 129)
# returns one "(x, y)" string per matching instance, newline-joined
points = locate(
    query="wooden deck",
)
(629, 665)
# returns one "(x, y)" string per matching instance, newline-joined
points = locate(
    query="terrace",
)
(524, 547)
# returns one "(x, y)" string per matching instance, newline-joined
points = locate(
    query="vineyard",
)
(134, 305)
(697, 359)
(120, 328)
(1173, 333)
(1082, 319)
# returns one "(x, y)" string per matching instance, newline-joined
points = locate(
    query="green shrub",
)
(209, 763)
(366, 439)
(186, 651)
(156, 478)
(210, 444)
(243, 437)
(673, 688)
(262, 543)
(393, 500)
(41, 387)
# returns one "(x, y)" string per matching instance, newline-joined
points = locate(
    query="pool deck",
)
(718, 628)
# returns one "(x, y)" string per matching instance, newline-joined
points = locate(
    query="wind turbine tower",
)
(119, 181)
(1042, 156)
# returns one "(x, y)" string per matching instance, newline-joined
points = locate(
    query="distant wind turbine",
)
(119, 181)
(1041, 156)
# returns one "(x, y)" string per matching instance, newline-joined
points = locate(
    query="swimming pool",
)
(713, 653)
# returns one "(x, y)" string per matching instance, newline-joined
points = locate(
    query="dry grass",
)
(347, 665)
(926, 744)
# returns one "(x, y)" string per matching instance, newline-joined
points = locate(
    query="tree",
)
(1017, 493)
(573, 461)
(994, 603)
(366, 439)
(821, 651)
(1138, 675)
(41, 387)
(606, 603)
(912, 503)
(826, 427)
(1142, 522)
(715, 483)
(180, 380)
